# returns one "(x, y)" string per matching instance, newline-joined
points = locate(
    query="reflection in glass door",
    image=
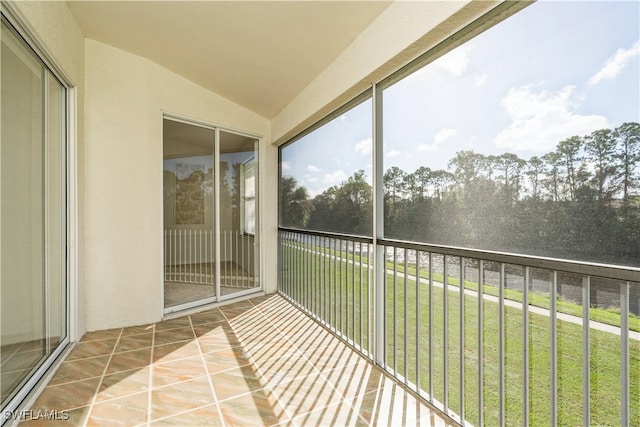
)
(210, 214)
(33, 213)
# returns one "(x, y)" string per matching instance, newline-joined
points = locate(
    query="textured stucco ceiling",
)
(259, 54)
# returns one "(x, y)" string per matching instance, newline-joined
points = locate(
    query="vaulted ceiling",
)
(259, 54)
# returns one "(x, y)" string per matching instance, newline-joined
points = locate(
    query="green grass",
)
(329, 281)
(606, 315)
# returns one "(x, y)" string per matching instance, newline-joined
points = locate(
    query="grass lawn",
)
(325, 284)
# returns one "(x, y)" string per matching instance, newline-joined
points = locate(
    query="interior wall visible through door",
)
(211, 206)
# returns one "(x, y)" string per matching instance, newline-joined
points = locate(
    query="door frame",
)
(217, 298)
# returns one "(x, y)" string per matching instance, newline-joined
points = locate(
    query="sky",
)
(551, 71)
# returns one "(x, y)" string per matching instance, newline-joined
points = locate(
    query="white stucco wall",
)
(405, 30)
(126, 95)
(56, 32)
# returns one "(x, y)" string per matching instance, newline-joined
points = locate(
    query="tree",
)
(600, 147)
(569, 156)
(535, 169)
(467, 166)
(552, 180)
(510, 167)
(628, 152)
(295, 206)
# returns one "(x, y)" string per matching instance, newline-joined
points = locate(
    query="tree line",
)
(579, 201)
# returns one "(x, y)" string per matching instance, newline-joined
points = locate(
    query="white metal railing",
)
(328, 276)
(189, 257)
(488, 338)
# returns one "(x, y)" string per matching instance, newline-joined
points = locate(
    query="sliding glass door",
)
(33, 211)
(210, 213)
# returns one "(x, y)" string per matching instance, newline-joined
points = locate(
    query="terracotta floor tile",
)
(178, 322)
(284, 369)
(129, 360)
(135, 330)
(168, 336)
(124, 383)
(339, 414)
(174, 351)
(176, 371)
(180, 397)
(134, 342)
(80, 369)
(223, 360)
(255, 409)
(67, 396)
(307, 394)
(333, 356)
(278, 348)
(102, 335)
(92, 348)
(356, 379)
(126, 411)
(235, 382)
(209, 316)
(258, 362)
(204, 416)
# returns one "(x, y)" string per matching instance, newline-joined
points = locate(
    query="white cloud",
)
(541, 120)
(456, 61)
(364, 147)
(312, 168)
(393, 153)
(286, 166)
(615, 64)
(481, 80)
(335, 177)
(439, 138)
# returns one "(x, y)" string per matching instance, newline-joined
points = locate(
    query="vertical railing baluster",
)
(353, 291)
(236, 260)
(307, 280)
(338, 256)
(405, 331)
(525, 347)
(180, 255)
(335, 284)
(461, 337)
(395, 310)
(445, 334)
(624, 354)
(586, 350)
(553, 381)
(418, 308)
(431, 398)
(501, 358)
(361, 300)
(305, 272)
(480, 342)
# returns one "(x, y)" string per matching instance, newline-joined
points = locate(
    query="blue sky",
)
(554, 70)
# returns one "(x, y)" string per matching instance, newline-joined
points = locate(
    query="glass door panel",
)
(239, 261)
(189, 215)
(33, 232)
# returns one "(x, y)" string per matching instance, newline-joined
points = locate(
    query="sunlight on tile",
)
(257, 362)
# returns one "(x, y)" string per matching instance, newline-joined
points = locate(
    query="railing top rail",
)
(328, 234)
(624, 273)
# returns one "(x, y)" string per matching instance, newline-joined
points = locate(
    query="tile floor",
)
(251, 363)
